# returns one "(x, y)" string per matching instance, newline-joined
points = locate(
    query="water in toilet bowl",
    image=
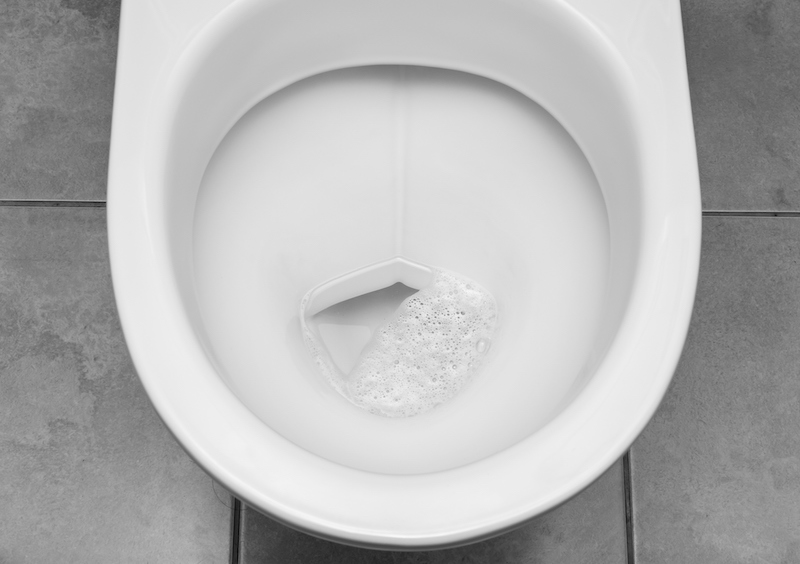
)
(305, 189)
(423, 354)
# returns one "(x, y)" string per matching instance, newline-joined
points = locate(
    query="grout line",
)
(36, 203)
(52, 203)
(627, 486)
(744, 213)
(236, 520)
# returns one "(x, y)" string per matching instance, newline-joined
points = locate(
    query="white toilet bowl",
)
(265, 148)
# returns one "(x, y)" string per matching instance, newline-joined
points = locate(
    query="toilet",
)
(286, 168)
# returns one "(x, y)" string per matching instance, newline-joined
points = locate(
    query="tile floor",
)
(89, 474)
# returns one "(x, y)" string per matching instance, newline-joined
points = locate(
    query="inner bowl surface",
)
(355, 166)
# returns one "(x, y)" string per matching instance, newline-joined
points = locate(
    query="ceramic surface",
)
(588, 528)
(611, 73)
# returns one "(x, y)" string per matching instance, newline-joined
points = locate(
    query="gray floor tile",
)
(743, 58)
(588, 529)
(57, 61)
(87, 471)
(716, 474)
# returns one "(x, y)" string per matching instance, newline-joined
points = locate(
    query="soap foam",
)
(423, 354)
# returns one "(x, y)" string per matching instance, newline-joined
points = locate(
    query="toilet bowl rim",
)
(160, 397)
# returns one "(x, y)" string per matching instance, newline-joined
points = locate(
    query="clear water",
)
(419, 357)
(346, 328)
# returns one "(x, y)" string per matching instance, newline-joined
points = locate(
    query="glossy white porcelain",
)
(264, 149)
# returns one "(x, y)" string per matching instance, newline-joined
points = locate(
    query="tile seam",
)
(627, 487)
(236, 532)
(55, 203)
(747, 213)
(41, 203)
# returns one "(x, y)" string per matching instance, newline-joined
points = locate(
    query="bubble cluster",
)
(424, 353)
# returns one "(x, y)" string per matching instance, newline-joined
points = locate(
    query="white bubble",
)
(441, 334)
